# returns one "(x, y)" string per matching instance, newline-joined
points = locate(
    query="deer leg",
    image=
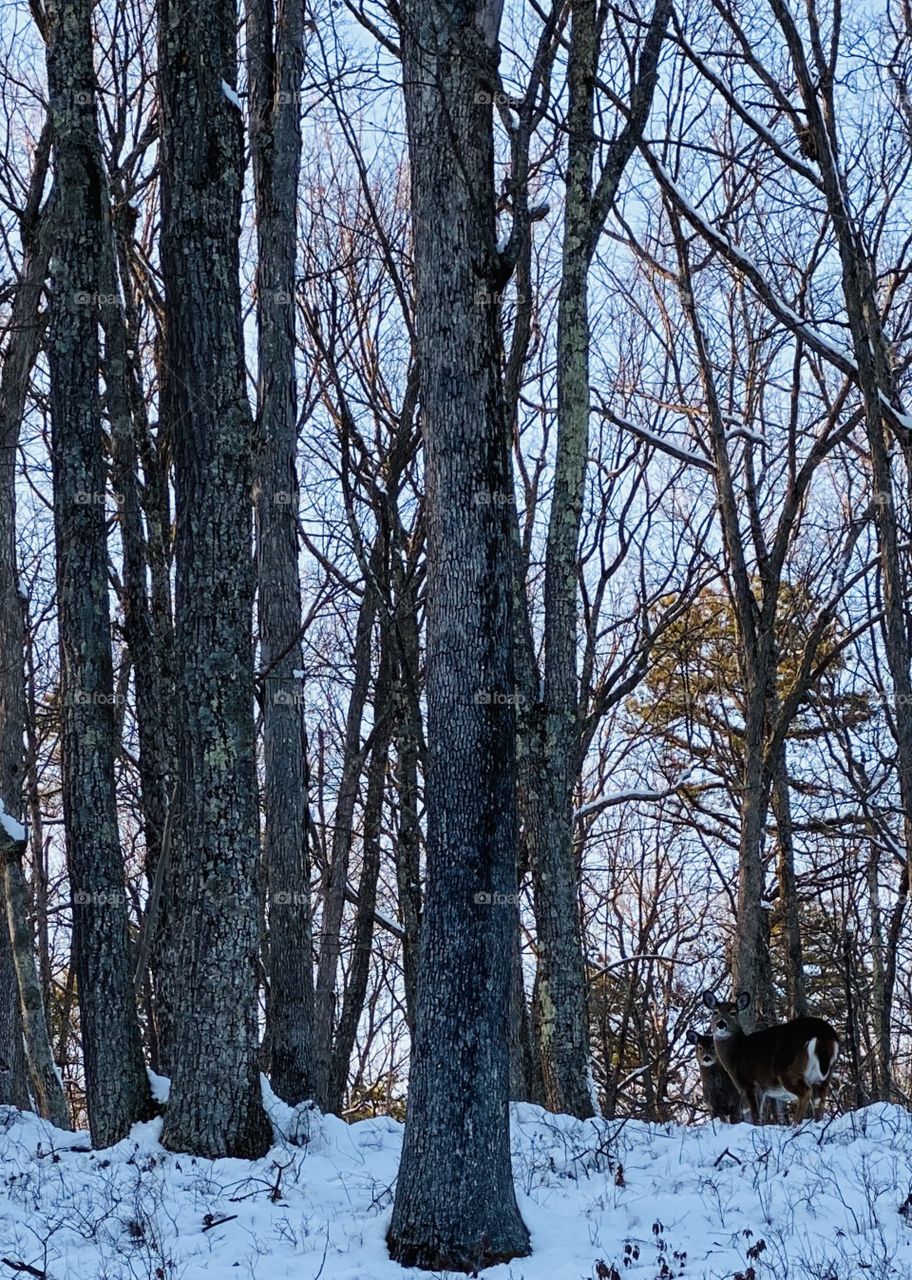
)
(820, 1101)
(756, 1105)
(804, 1097)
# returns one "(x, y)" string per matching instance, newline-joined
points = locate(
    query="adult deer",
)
(792, 1061)
(720, 1094)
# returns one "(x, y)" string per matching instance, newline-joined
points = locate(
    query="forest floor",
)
(829, 1201)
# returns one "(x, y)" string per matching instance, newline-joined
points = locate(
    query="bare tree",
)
(275, 53)
(455, 1206)
(117, 1090)
(215, 1107)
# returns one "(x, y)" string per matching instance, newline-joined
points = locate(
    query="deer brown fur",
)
(792, 1061)
(720, 1093)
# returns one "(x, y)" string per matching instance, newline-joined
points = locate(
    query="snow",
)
(231, 95)
(15, 830)
(678, 451)
(626, 797)
(708, 1201)
(904, 419)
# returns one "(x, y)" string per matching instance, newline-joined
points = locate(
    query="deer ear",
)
(742, 1000)
(709, 999)
(691, 1036)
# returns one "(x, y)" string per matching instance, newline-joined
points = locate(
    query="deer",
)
(720, 1094)
(792, 1061)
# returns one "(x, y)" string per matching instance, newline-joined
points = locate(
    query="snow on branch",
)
(665, 446)
(13, 829)
(623, 797)
(232, 95)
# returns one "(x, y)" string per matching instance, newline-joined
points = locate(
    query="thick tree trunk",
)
(117, 1089)
(795, 983)
(751, 965)
(275, 53)
(215, 1107)
(455, 1205)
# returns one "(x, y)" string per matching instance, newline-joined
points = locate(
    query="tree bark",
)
(561, 1016)
(795, 982)
(275, 54)
(455, 1205)
(407, 731)
(880, 1011)
(215, 1107)
(46, 1087)
(359, 965)
(117, 1088)
(19, 357)
(330, 937)
(146, 639)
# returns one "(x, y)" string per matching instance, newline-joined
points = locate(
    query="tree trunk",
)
(359, 966)
(117, 1088)
(127, 415)
(407, 730)
(561, 1016)
(46, 1087)
(215, 1107)
(879, 1003)
(19, 357)
(455, 1205)
(796, 986)
(275, 54)
(330, 936)
(751, 965)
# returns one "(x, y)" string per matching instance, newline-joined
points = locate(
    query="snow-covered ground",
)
(637, 1201)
